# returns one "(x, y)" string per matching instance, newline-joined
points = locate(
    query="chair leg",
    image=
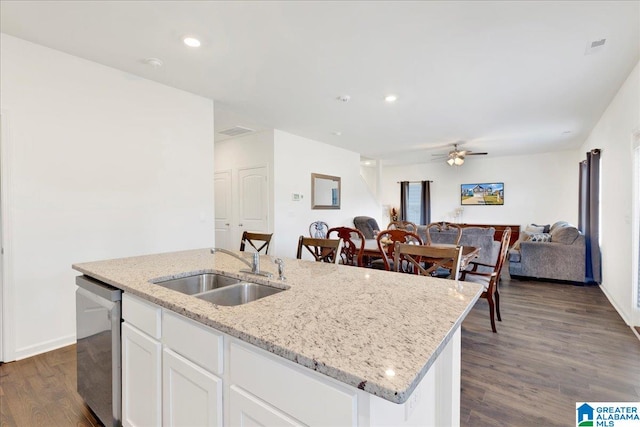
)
(497, 295)
(491, 312)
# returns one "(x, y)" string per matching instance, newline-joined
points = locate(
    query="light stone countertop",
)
(352, 324)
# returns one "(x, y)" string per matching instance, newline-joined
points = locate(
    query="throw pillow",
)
(524, 236)
(532, 228)
(547, 227)
(540, 237)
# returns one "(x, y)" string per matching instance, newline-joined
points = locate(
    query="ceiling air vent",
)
(594, 46)
(236, 130)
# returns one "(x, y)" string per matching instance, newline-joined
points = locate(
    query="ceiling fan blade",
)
(471, 153)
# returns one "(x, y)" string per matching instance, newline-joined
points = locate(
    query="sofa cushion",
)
(514, 255)
(524, 237)
(566, 234)
(557, 224)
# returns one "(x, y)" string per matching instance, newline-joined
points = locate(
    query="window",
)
(415, 204)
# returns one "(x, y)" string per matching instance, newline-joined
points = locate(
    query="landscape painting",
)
(482, 194)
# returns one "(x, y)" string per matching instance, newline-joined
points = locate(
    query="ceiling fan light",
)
(450, 161)
(458, 161)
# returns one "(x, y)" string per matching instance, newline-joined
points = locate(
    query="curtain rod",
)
(398, 182)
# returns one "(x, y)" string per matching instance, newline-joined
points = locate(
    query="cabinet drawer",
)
(305, 396)
(142, 314)
(198, 343)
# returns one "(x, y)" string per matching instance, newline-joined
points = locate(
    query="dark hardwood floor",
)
(557, 345)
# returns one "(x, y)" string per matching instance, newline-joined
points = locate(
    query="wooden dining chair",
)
(488, 276)
(322, 250)
(257, 241)
(402, 225)
(352, 245)
(440, 227)
(318, 229)
(386, 241)
(424, 260)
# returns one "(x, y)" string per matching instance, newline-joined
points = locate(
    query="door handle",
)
(227, 224)
(240, 225)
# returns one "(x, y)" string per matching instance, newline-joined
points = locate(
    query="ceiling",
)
(503, 77)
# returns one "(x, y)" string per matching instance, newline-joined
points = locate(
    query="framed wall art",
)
(482, 194)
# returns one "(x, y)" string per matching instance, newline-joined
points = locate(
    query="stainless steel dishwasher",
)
(98, 319)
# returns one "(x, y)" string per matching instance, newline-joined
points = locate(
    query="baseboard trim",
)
(623, 315)
(33, 350)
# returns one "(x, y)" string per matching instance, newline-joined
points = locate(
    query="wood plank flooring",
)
(41, 391)
(557, 345)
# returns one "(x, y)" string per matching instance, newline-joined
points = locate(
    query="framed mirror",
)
(325, 191)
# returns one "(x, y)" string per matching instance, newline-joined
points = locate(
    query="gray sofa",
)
(561, 258)
(471, 236)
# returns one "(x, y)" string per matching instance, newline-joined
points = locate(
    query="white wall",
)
(614, 135)
(538, 189)
(295, 158)
(102, 164)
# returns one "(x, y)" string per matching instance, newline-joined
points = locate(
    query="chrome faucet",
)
(280, 263)
(254, 266)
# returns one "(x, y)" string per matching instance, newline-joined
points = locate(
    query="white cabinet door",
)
(224, 211)
(141, 391)
(248, 411)
(191, 395)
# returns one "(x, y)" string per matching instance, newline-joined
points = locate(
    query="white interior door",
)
(224, 210)
(253, 197)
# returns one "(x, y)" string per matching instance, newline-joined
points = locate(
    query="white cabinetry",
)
(141, 391)
(191, 396)
(249, 411)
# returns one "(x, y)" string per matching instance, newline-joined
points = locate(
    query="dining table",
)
(372, 251)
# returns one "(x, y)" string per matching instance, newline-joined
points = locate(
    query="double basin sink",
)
(219, 289)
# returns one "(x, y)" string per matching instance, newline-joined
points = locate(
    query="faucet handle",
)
(280, 263)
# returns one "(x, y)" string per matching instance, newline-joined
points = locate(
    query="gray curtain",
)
(425, 208)
(404, 199)
(589, 214)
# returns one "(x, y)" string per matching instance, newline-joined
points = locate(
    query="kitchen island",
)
(340, 346)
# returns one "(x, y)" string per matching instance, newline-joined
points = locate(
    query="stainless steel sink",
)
(240, 293)
(198, 283)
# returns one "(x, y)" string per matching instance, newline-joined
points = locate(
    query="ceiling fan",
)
(456, 156)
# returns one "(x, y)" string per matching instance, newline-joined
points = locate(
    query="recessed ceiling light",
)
(337, 133)
(191, 42)
(154, 62)
(343, 98)
(391, 98)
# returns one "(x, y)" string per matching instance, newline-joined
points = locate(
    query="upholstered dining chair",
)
(439, 227)
(489, 275)
(318, 229)
(424, 260)
(257, 241)
(322, 250)
(367, 225)
(386, 244)
(352, 245)
(402, 225)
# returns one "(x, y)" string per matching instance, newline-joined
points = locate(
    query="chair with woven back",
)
(386, 244)
(322, 250)
(489, 275)
(352, 245)
(258, 241)
(441, 232)
(424, 260)
(403, 225)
